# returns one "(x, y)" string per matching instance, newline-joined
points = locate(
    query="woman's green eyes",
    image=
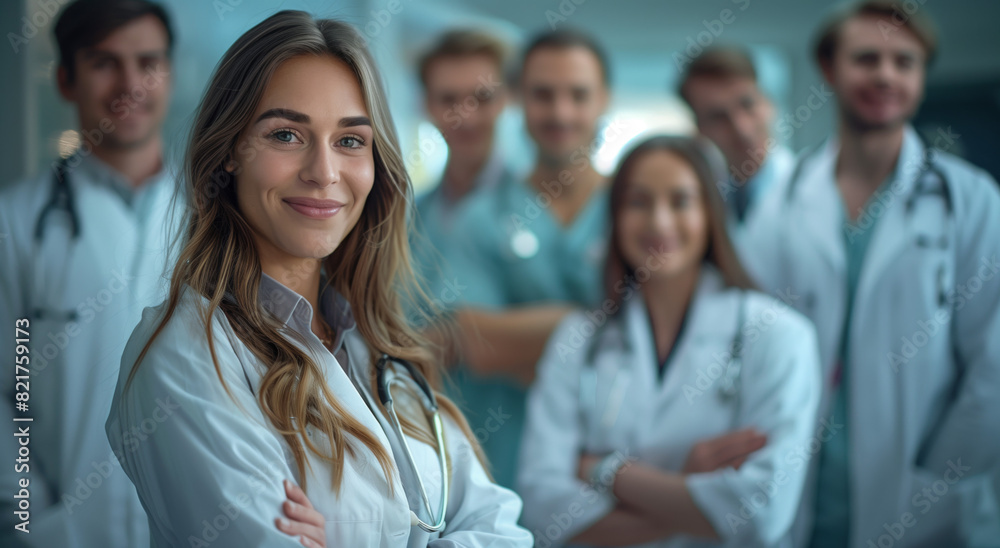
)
(287, 137)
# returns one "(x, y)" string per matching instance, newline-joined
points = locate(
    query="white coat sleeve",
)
(207, 470)
(480, 512)
(970, 428)
(557, 505)
(756, 505)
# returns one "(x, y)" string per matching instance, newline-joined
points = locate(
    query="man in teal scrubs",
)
(464, 95)
(532, 249)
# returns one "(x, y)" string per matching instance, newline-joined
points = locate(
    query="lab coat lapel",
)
(699, 329)
(821, 224)
(892, 233)
(405, 483)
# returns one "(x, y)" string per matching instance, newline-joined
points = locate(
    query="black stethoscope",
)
(61, 197)
(928, 167)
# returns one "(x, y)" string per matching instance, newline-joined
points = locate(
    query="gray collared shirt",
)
(295, 313)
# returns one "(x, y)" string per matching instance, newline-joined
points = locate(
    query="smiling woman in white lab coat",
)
(648, 421)
(262, 364)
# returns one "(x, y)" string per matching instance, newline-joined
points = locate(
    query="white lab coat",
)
(79, 494)
(209, 469)
(658, 422)
(771, 180)
(925, 372)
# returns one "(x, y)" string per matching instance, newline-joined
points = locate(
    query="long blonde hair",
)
(219, 260)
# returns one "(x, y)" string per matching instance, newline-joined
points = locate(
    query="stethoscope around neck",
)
(928, 167)
(389, 376)
(730, 381)
(60, 198)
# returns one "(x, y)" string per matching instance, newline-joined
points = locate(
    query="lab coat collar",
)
(91, 167)
(640, 330)
(816, 190)
(776, 166)
(891, 221)
(295, 312)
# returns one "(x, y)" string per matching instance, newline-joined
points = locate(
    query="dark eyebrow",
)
(354, 121)
(296, 116)
(286, 113)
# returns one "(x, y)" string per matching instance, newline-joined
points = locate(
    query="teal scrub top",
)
(511, 251)
(436, 216)
(831, 527)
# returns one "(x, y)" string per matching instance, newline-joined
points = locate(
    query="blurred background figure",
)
(465, 92)
(530, 251)
(887, 239)
(720, 86)
(84, 253)
(677, 406)
(651, 45)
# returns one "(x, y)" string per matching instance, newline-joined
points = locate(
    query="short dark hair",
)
(718, 62)
(84, 23)
(565, 39)
(919, 24)
(464, 43)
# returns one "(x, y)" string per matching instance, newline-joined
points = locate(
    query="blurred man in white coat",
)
(720, 86)
(84, 253)
(889, 245)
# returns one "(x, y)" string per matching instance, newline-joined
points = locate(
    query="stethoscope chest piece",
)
(524, 244)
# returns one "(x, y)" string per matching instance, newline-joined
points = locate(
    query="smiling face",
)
(304, 186)
(878, 77)
(663, 215)
(564, 95)
(464, 99)
(123, 80)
